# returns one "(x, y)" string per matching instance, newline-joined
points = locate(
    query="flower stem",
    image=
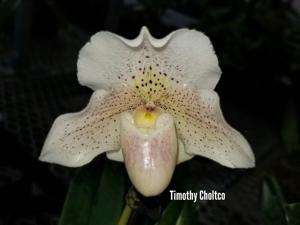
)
(131, 204)
(125, 215)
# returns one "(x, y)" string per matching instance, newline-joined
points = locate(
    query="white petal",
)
(76, 138)
(192, 55)
(150, 155)
(182, 154)
(115, 155)
(186, 56)
(204, 131)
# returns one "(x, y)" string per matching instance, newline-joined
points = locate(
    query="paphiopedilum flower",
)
(153, 107)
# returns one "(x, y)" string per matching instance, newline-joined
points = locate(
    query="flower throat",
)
(151, 84)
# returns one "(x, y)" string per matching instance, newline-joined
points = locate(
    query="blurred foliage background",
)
(258, 46)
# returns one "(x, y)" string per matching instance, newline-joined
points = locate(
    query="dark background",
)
(257, 43)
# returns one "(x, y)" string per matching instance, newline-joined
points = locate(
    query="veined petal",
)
(184, 57)
(182, 155)
(150, 154)
(76, 138)
(203, 129)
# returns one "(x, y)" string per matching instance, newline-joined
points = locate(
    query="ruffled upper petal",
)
(203, 130)
(76, 138)
(185, 56)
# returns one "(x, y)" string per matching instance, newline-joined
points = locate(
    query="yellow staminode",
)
(146, 117)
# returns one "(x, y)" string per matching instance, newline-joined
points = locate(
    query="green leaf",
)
(186, 216)
(109, 201)
(272, 202)
(96, 195)
(81, 193)
(171, 213)
(293, 213)
(178, 213)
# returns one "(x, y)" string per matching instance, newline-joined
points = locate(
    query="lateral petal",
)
(203, 130)
(76, 138)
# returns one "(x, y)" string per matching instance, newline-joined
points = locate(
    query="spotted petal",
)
(76, 138)
(203, 129)
(186, 56)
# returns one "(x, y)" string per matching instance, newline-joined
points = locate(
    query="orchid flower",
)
(153, 107)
